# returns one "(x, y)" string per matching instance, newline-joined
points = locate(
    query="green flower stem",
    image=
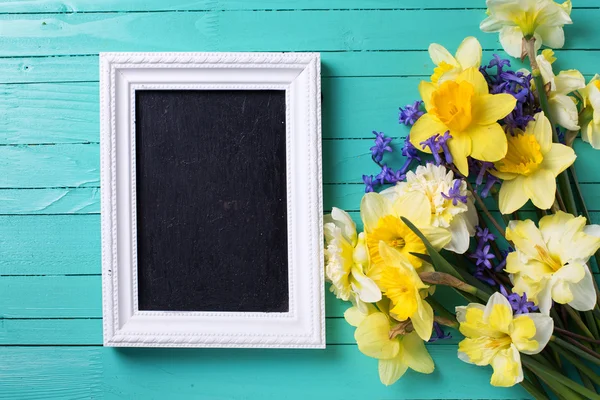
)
(440, 278)
(545, 372)
(485, 210)
(534, 390)
(557, 321)
(591, 323)
(582, 351)
(560, 390)
(441, 310)
(593, 375)
(583, 208)
(577, 319)
(563, 178)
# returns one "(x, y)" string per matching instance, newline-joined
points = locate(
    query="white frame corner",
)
(303, 326)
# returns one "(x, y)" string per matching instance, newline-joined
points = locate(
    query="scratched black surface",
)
(211, 200)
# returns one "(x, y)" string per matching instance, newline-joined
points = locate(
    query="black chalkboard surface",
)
(211, 200)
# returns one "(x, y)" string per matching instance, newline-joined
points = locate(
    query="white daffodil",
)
(347, 264)
(589, 119)
(562, 106)
(450, 202)
(493, 336)
(518, 19)
(449, 67)
(550, 262)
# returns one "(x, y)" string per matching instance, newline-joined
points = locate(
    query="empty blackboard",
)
(211, 200)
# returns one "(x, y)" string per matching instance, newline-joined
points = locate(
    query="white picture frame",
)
(303, 326)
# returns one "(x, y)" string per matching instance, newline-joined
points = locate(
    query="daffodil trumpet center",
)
(548, 259)
(440, 70)
(452, 104)
(396, 234)
(523, 157)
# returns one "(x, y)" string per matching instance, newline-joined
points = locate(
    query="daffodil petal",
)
(342, 219)
(544, 327)
(438, 237)
(544, 299)
(526, 237)
(491, 24)
(552, 36)
(498, 313)
(591, 134)
(469, 53)
(415, 206)
(416, 355)
(565, 111)
(569, 81)
(422, 320)
(540, 187)
(558, 158)
(366, 289)
(391, 370)
(488, 142)
(541, 129)
(553, 226)
(439, 54)
(423, 129)
(426, 89)
(372, 337)
(475, 78)
(354, 316)
(584, 294)
(459, 242)
(512, 196)
(511, 38)
(460, 148)
(561, 292)
(523, 333)
(490, 108)
(373, 207)
(508, 370)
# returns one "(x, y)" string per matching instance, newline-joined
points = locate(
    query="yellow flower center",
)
(440, 70)
(452, 104)
(523, 157)
(401, 290)
(527, 21)
(501, 343)
(396, 234)
(597, 84)
(549, 259)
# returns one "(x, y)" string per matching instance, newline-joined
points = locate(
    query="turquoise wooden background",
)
(373, 54)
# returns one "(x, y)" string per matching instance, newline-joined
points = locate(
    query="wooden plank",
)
(69, 112)
(50, 201)
(334, 64)
(82, 6)
(69, 34)
(50, 245)
(77, 165)
(339, 372)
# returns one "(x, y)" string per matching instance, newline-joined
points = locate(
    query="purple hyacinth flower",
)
(519, 304)
(410, 113)
(491, 181)
(481, 275)
(484, 235)
(383, 176)
(382, 144)
(368, 181)
(482, 257)
(454, 193)
(485, 166)
(438, 333)
(434, 147)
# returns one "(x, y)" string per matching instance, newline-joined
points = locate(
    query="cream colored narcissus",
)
(465, 108)
(550, 263)
(448, 66)
(382, 221)
(450, 202)
(530, 167)
(493, 336)
(562, 106)
(589, 118)
(519, 19)
(402, 285)
(397, 354)
(347, 264)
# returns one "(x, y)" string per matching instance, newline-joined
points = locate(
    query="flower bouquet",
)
(482, 137)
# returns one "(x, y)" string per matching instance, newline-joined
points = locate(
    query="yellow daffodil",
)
(448, 67)
(466, 109)
(589, 119)
(396, 355)
(531, 166)
(562, 106)
(550, 262)
(494, 337)
(347, 264)
(402, 285)
(518, 19)
(450, 202)
(381, 218)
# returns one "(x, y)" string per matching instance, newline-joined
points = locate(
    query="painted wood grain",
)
(69, 34)
(77, 165)
(50, 201)
(98, 372)
(334, 64)
(80, 6)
